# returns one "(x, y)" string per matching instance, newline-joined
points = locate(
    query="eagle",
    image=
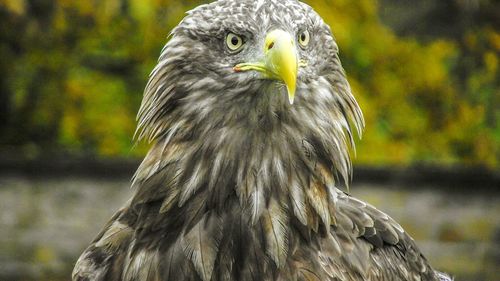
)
(251, 122)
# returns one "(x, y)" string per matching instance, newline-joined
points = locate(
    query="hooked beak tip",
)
(291, 96)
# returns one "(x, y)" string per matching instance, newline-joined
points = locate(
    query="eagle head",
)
(249, 95)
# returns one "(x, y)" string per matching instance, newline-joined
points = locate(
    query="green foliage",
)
(73, 74)
(417, 106)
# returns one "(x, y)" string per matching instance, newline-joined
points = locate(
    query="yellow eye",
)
(304, 38)
(234, 42)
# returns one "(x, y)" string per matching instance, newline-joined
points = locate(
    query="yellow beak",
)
(280, 61)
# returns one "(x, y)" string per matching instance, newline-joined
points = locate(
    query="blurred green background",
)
(426, 74)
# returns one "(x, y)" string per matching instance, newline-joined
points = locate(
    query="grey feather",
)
(298, 201)
(201, 245)
(275, 227)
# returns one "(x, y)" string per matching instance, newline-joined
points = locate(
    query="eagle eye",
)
(303, 38)
(234, 42)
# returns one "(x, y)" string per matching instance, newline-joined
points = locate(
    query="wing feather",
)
(318, 198)
(201, 245)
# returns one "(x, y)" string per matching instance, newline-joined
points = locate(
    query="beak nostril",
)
(270, 46)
